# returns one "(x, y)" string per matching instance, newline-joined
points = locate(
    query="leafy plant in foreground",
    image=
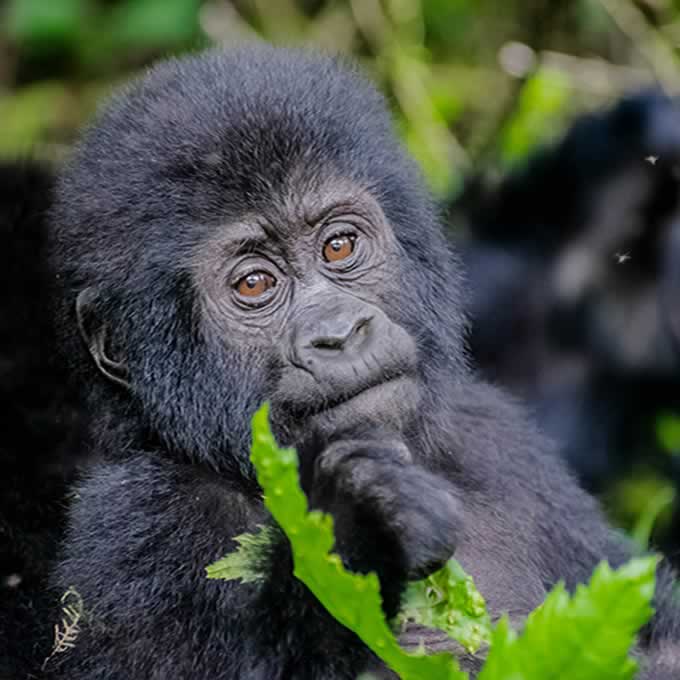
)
(587, 635)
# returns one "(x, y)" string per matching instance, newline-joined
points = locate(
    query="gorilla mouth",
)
(329, 404)
(390, 397)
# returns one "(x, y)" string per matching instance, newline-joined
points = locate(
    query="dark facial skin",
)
(308, 288)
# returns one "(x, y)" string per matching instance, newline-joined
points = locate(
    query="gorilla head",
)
(242, 226)
(230, 238)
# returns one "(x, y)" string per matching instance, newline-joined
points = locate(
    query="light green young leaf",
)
(248, 563)
(449, 601)
(584, 637)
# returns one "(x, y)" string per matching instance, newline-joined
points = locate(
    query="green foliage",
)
(668, 432)
(641, 503)
(28, 115)
(353, 599)
(543, 97)
(658, 507)
(95, 33)
(248, 562)
(581, 637)
(453, 98)
(449, 601)
(153, 23)
(41, 24)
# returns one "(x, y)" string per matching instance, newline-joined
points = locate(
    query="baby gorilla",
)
(242, 226)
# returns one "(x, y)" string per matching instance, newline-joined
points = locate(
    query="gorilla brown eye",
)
(255, 284)
(338, 248)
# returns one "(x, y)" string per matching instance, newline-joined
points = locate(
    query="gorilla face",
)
(307, 282)
(270, 240)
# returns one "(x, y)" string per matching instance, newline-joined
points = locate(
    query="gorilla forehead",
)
(199, 142)
(202, 140)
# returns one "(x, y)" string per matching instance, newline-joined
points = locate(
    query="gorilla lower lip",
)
(381, 404)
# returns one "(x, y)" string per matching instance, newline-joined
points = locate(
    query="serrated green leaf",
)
(353, 599)
(248, 563)
(584, 637)
(449, 601)
(502, 661)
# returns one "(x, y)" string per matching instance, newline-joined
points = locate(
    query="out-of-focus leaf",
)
(27, 114)
(543, 97)
(628, 499)
(423, 127)
(668, 432)
(660, 503)
(155, 23)
(45, 23)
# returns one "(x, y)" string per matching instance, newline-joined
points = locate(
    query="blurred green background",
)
(474, 84)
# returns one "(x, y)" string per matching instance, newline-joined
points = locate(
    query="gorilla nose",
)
(338, 336)
(335, 337)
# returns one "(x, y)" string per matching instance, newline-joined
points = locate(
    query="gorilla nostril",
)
(342, 337)
(333, 343)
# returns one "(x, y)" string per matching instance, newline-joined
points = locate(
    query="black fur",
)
(195, 145)
(40, 416)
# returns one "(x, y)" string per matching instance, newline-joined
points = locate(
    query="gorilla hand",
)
(391, 516)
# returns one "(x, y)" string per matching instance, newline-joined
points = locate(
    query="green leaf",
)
(45, 22)
(353, 599)
(668, 432)
(584, 637)
(544, 96)
(641, 501)
(659, 503)
(28, 114)
(449, 601)
(155, 23)
(502, 663)
(248, 563)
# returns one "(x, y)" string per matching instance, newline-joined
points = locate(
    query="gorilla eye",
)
(338, 248)
(255, 284)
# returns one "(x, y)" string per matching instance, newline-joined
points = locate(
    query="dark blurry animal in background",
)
(574, 265)
(40, 443)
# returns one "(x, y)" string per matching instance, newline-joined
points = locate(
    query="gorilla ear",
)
(93, 331)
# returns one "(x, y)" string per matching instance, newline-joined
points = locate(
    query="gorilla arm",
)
(165, 522)
(527, 524)
(517, 534)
